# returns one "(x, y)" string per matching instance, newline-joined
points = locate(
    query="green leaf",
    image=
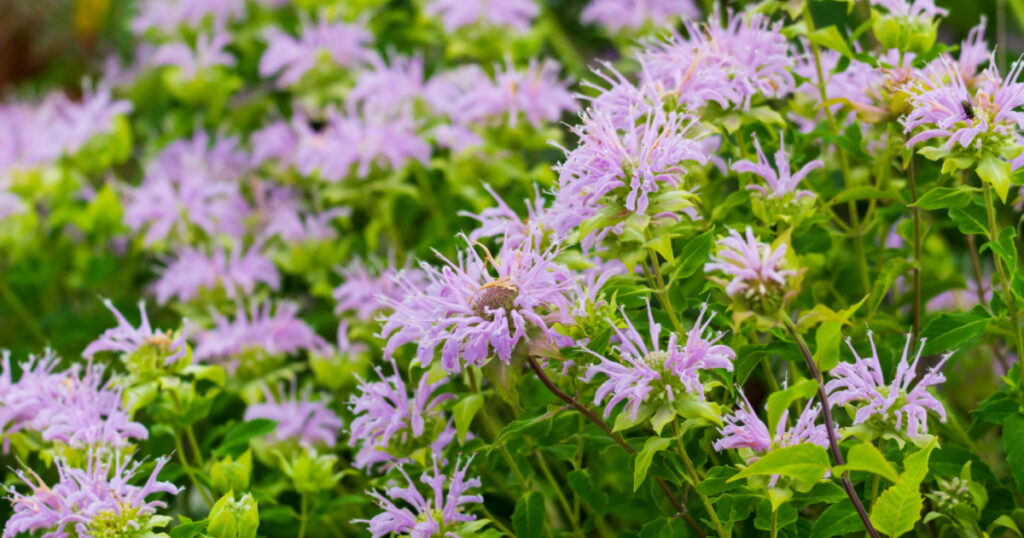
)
(526, 426)
(652, 446)
(865, 457)
(805, 463)
(504, 378)
(899, 507)
(716, 480)
(892, 270)
(838, 519)
(865, 193)
(970, 220)
(995, 171)
(1013, 443)
(528, 517)
(464, 412)
(946, 197)
(948, 332)
(831, 38)
(1004, 246)
(779, 401)
(826, 341)
(237, 440)
(581, 482)
(693, 255)
(624, 420)
(664, 415)
(785, 516)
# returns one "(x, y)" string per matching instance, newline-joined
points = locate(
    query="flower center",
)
(656, 359)
(494, 295)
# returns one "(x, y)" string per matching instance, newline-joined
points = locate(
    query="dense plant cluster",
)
(415, 269)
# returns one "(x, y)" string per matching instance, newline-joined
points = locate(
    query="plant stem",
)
(592, 417)
(492, 432)
(775, 523)
(22, 312)
(303, 515)
(773, 384)
(662, 291)
(858, 238)
(558, 494)
(916, 214)
(833, 443)
(501, 526)
(1004, 282)
(189, 470)
(696, 479)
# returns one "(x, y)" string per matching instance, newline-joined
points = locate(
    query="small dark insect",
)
(318, 123)
(968, 109)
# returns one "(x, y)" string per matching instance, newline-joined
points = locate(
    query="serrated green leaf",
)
(693, 255)
(1013, 443)
(948, 332)
(970, 219)
(946, 197)
(830, 37)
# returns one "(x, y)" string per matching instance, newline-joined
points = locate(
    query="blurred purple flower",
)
(514, 14)
(617, 15)
(167, 15)
(781, 183)
(298, 417)
(390, 83)
(384, 412)
(98, 498)
(470, 310)
(425, 516)
(22, 400)
(208, 52)
(914, 9)
(271, 330)
(535, 92)
(671, 372)
(861, 382)
(192, 270)
(125, 338)
(368, 287)
(344, 44)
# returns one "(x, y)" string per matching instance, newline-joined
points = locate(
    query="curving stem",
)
(833, 443)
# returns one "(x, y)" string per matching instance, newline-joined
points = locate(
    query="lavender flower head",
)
(298, 417)
(912, 9)
(514, 14)
(477, 306)
(95, 501)
(743, 429)
(387, 418)
(617, 15)
(167, 15)
(208, 52)
(897, 404)
(438, 514)
(344, 44)
(21, 400)
(535, 92)
(759, 277)
(782, 184)
(266, 328)
(192, 270)
(503, 223)
(669, 373)
(127, 339)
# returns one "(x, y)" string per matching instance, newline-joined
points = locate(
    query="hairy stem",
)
(592, 417)
(833, 442)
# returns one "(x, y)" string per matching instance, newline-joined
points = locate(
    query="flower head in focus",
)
(93, 501)
(744, 430)
(898, 405)
(652, 375)
(759, 277)
(387, 421)
(476, 306)
(782, 183)
(437, 514)
(298, 417)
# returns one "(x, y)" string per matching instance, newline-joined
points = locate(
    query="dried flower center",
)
(496, 294)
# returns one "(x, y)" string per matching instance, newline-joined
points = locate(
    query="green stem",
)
(916, 214)
(661, 290)
(1004, 282)
(858, 238)
(190, 472)
(576, 530)
(692, 471)
(773, 383)
(497, 523)
(22, 311)
(303, 516)
(775, 524)
(493, 433)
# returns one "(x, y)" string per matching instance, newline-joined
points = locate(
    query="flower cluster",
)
(298, 417)
(759, 277)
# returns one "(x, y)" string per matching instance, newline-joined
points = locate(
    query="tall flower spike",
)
(126, 338)
(298, 416)
(782, 182)
(650, 372)
(438, 514)
(477, 306)
(897, 404)
(384, 413)
(758, 276)
(94, 501)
